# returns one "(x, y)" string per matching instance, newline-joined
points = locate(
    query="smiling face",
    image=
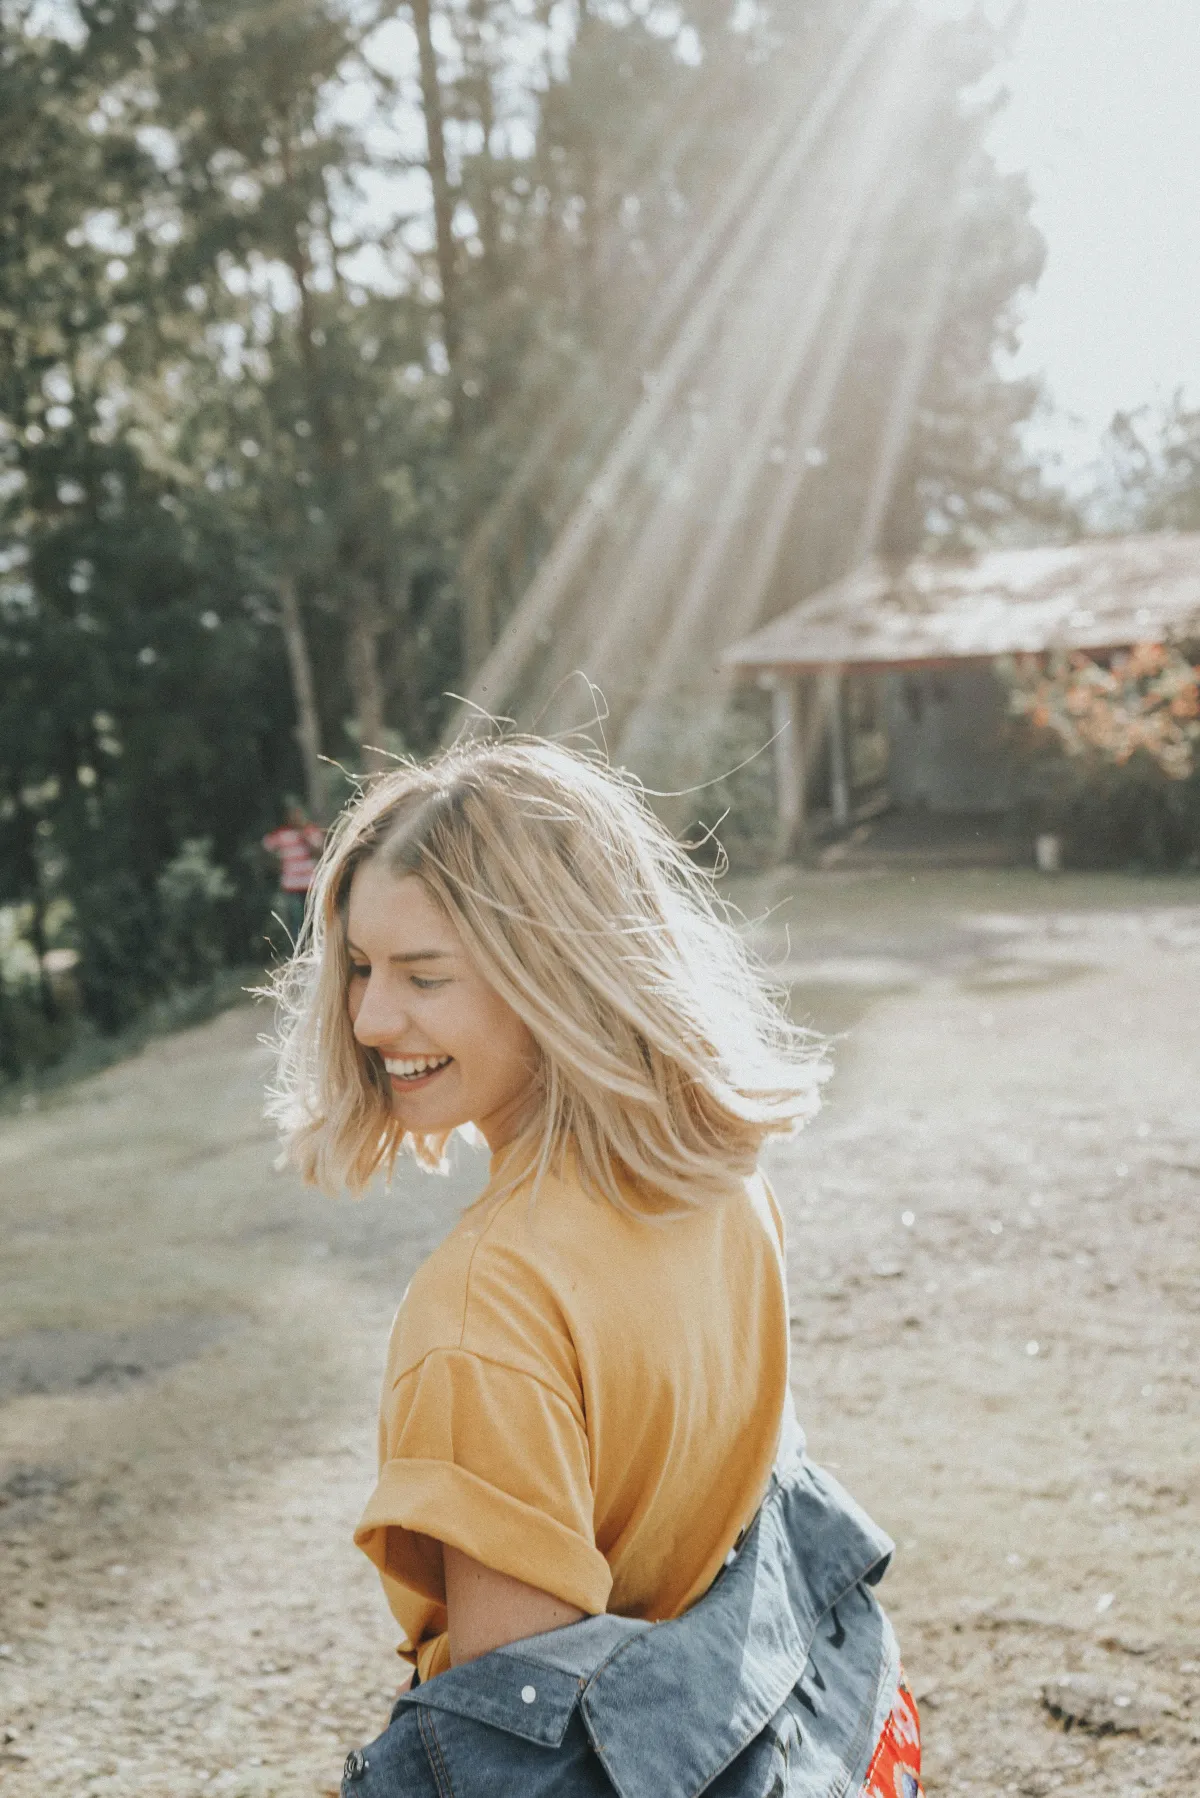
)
(454, 1050)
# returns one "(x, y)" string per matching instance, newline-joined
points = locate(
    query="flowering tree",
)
(1147, 698)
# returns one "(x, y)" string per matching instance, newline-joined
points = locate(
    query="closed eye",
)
(425, 984)
(360, 970)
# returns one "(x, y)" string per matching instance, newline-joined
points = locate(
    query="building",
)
(907, 654)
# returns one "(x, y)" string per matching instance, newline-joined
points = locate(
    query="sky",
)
(1105, 118)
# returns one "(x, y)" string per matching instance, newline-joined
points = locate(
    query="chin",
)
(425, 1123)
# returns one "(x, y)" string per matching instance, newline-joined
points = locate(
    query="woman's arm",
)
(486, 1609)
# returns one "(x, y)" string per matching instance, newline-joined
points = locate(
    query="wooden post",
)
(839, 760)
(787, 719)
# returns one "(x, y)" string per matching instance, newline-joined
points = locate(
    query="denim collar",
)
(730, 1663)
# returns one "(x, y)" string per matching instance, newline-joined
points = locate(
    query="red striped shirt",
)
(297, 850)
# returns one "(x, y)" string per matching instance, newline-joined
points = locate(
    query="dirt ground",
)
(995, 1250)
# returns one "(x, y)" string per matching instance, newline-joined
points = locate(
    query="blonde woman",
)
(614, 1567)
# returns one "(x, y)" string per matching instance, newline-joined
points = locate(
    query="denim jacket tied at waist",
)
(774, 1685)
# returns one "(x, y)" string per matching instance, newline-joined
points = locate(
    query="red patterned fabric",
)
(297, 847)
(895, 1770)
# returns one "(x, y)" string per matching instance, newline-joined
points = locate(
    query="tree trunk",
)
(476, 581)
(363, 678)
(37, 937)
(485, 102)
(299, 261)
(476, 620)
(591, 183)
(308, 727)
(443, 199)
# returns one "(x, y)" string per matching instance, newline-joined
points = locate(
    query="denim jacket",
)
(774, 1685)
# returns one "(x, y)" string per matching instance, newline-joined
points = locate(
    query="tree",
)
(1150, 478)
(925, 452)
(317, 322)
(136, 708)
(303, 410)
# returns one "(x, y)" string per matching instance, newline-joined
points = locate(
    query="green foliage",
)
(1109, 754)
(37, 1019)
(715, 787)
(1150, 478)
(964, 479)
(193, 894)
(117, 932)
(29, 1040)
(1137, 813)
(737, 802)
(237, 361)
(1146, 699)
(1109, 814)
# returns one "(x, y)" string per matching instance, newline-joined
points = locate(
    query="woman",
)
(586, 1427)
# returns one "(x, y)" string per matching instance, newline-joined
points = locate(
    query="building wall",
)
(947, 740)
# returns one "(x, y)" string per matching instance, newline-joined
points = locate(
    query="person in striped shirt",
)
(297, 844)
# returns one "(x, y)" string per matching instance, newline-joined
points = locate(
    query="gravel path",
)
(996, 1302)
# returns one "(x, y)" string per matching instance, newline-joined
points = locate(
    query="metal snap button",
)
(356, 1764)
(528, 1694)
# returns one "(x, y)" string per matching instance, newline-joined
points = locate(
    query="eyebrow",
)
(411, 955)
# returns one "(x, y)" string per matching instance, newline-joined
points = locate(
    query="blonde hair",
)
(666, 1054)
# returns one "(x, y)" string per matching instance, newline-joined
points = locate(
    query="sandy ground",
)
(995, 1274)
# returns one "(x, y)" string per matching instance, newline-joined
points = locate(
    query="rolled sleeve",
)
(491, 1460)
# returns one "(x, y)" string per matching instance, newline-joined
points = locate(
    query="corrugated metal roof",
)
(1104, 593)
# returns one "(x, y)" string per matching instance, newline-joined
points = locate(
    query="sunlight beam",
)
(537, 611)
(835, 301)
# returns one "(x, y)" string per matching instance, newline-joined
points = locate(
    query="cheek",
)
(500, 1042)
(514, 1048)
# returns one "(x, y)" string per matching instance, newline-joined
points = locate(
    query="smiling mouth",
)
(416, 1070)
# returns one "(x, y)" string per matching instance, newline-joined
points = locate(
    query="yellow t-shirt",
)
(587, 1401)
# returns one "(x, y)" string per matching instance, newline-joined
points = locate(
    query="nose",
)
(381, 1017)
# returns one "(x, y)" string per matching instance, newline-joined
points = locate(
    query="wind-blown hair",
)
(665, 1051)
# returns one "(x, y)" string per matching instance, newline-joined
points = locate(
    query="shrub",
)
(709, 772)
(193, 897)
(117, 932)
(38, 1013)
(1109, 754)
(1111, 814)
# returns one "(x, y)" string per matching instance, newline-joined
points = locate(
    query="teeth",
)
(408, 1069)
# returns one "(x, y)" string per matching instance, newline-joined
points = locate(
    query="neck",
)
(504, 1125)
